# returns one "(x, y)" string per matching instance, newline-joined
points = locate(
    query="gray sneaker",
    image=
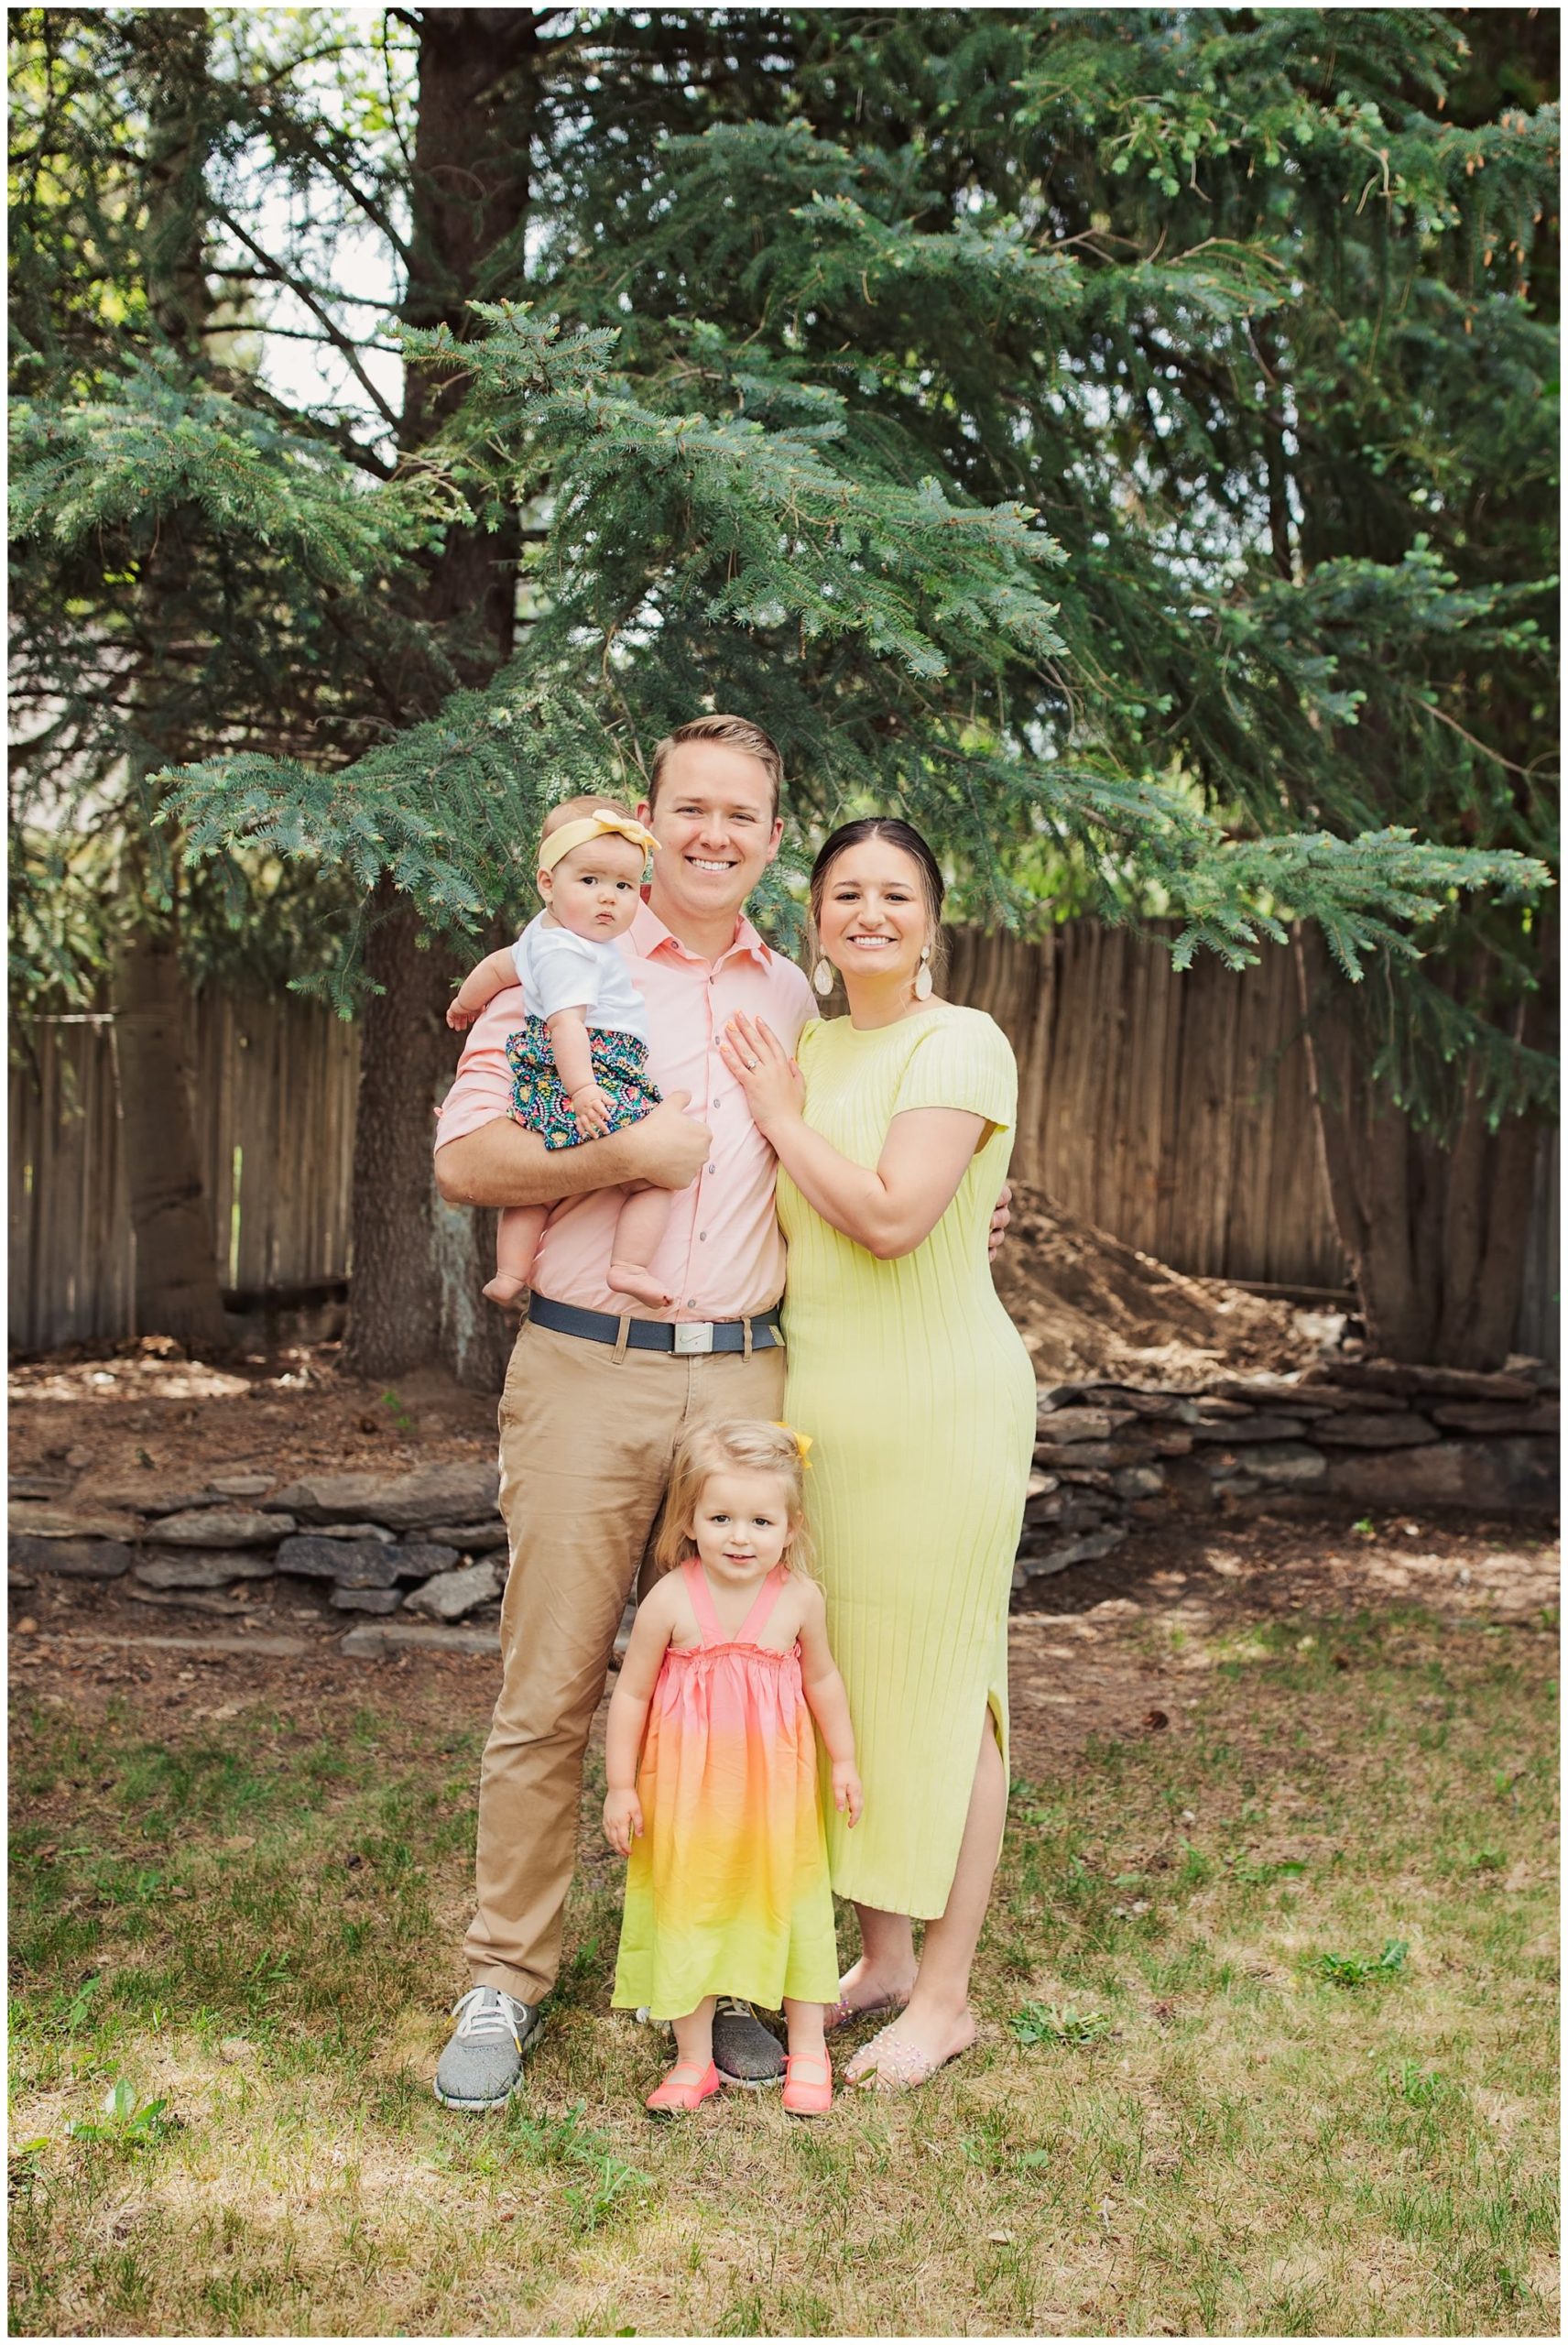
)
(743, 2051)
(482, 2063)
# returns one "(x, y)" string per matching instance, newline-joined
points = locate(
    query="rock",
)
(1284, 1465)
(1510, 1472)
(1077, 1424)
(1335, 1396)
(1497, 1416)
(16, 1581)
(1248, 1427)
(365, 1599)
(353, 1530)
(33, 1486)
(68, 1522)
(352, 1562)
(1081, 1550)
(1049, 1508)
(451, 1493)
(1037, 1485)
(189, 1598)
(1167, 1405)
(422, 1559)
(78, 1459)
(158, 1499)
(471, 1538)
(450, 1595)
(1429, 1383)
(1213, 1407)
(1137, 1482)
(279, 1648)
(199, 1568)
(223, 1526)
(1352, 1430)
(243, 1485)
(371, 1645)
(1075, 1453)
(72, 1558)
(1173, 1444)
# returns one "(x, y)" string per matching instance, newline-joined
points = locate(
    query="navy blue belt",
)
(687, 1338)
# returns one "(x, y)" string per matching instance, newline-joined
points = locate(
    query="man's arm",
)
(501, 1165)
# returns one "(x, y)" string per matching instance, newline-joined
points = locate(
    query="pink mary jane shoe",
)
(686, 2087)
(807, 2094)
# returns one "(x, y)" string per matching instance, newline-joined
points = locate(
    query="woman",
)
(893, 1133)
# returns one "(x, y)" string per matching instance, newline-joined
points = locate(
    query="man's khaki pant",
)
(587, 1440)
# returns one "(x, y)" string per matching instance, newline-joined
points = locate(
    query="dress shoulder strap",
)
(767, 1596)
(702, 1598)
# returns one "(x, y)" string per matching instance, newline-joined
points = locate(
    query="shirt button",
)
(702, 1237)
(713, 1168)
(690, 1303)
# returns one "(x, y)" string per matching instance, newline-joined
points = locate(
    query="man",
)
(594, 1400)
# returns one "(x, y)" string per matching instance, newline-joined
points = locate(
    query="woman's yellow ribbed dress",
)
(920, 1399)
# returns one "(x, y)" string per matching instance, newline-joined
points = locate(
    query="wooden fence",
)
(273, 1081)
(1171, 1110)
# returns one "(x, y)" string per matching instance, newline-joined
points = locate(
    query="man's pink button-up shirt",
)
(722, 1255)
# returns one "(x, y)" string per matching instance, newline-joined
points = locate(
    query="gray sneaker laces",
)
(486, 2012)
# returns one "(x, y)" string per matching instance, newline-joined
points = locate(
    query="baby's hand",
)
(457, 1017)
(848, 1797)
(590, 1106)
(623, 1821)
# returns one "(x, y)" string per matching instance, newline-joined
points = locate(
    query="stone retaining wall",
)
(1108, 1455)
(1369, 1432)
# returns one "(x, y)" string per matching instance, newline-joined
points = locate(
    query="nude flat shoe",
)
(806, 2096)
(684, 2089)
(890, 2065)
(839, 2014)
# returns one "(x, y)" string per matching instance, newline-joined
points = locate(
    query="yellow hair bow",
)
(603, 819)
(802, 1441)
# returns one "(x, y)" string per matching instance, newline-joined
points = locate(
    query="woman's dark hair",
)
(898, 834)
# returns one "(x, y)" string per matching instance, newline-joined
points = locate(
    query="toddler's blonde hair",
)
(752, 1445)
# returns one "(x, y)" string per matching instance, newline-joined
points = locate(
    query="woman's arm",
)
(828, 1702)
(889, 1209)
(480, 987)
(628, 1717)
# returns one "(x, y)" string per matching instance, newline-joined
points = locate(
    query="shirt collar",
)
(649, 937)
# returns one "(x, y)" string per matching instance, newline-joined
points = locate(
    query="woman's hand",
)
(623, 1821)
(847, 1796)
(772, 1082)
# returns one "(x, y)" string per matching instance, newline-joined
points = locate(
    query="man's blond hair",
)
(736, 733)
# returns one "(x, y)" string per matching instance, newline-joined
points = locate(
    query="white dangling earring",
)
(923, 978)
(823, 977)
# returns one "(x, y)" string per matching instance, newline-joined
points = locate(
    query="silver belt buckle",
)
(693, 1335)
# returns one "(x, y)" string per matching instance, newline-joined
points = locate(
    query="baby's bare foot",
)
(630, 1278)
(505, 1289)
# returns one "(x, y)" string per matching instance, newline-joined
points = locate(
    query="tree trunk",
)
(177, 1290)
(1436, 1233)
(418, 1264)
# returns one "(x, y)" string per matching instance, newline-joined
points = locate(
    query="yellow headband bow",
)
(595, 826)
(802, 1441)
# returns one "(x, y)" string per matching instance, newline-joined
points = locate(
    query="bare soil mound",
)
(1086, 1304)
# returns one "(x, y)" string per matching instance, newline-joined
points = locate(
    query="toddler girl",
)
(580, 1060)
(727, 1890)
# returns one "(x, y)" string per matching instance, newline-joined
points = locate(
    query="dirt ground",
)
(1094, 1655)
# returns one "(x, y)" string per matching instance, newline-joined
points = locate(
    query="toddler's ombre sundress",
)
(727, 1889)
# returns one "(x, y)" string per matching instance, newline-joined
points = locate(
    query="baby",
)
(580, 1060)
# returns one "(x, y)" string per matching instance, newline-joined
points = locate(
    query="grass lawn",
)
(1268, 2048)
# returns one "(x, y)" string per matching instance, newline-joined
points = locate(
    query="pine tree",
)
(1079, 429)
